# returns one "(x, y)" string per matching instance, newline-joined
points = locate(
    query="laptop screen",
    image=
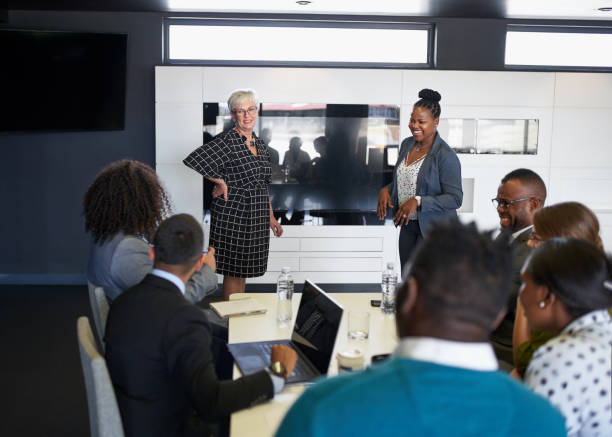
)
(316, 326)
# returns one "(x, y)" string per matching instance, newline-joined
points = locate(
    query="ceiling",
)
(516, 9)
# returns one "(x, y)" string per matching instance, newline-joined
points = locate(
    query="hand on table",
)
(285, 355)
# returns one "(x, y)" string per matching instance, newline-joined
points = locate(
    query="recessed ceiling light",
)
(303, 2)
(607, 9)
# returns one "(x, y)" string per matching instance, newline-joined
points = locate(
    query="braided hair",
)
(430, 99)
(125, 196)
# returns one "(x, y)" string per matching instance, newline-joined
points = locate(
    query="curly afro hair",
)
(125, 196)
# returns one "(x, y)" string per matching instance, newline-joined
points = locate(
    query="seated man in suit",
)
(442, 379)
(158, 347)
(521, 193)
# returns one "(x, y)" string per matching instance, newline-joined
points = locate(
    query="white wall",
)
(573, 157)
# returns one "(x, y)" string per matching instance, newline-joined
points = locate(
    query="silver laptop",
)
(314, 335)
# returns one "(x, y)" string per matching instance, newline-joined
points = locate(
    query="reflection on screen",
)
(316, 326)
(329, 161)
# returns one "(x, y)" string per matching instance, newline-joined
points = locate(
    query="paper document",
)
(238, 307)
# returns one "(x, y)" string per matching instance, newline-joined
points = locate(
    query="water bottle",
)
(388, 285)
(284, 293)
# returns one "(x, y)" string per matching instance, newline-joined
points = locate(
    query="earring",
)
(542, 304)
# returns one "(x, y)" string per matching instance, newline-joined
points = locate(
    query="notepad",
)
(238, 307)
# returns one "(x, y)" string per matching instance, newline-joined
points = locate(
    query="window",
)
(303, 43)
(569, 48)
(491, 136)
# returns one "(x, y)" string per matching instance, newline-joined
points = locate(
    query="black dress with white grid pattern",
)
(240, 226)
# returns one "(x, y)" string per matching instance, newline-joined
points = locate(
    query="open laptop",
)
(314, 335)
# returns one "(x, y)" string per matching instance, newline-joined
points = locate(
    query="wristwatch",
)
(277, 368)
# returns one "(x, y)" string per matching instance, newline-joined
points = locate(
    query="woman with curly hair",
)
(123, 207)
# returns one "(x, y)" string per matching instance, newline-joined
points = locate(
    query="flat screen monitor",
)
(329, 161)
(62, 81)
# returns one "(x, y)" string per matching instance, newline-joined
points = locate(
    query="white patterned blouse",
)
(407, 181)
(573, 370)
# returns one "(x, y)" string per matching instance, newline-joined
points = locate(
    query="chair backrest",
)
(104, 416)
(99, 309)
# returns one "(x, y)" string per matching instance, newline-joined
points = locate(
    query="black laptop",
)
(314, 335)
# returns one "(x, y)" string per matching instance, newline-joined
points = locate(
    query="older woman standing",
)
(238, 162)
(426, 182)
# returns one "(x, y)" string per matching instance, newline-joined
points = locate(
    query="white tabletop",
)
(264, 419)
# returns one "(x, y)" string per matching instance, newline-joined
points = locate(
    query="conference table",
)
(263, 420)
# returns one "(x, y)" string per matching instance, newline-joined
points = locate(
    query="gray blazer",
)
(438, 182)
(123, 261)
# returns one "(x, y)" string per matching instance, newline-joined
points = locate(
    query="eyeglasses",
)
(503, 203)
(242, 112)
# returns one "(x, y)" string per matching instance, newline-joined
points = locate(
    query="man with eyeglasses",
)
(521, 193)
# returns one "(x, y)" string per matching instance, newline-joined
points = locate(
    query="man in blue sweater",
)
(442, 380)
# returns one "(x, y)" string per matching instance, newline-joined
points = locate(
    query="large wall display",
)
(328, 160)
(496, 121)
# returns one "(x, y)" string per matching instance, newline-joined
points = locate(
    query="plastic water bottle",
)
(284, 293)
(388, 285)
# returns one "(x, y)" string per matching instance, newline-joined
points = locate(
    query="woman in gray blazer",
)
(123, 207)
(426, 182)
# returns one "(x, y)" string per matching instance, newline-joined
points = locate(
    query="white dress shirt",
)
(519, 232)
(466, 355)
(170, 277)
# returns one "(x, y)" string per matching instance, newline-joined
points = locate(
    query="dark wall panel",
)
(45, 175)
(470, 44)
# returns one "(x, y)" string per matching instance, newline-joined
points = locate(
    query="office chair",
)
(104, 417)
(99, 309)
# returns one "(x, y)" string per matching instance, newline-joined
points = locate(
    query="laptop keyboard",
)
(300, 369)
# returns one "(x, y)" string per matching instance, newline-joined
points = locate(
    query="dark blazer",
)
(503, 333)
(158, 351)
(438, 182)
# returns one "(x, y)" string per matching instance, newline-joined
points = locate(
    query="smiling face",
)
(423, 125)
(518, 215)
(245, 120)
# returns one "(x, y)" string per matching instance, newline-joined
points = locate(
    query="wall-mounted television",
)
(62, 81)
